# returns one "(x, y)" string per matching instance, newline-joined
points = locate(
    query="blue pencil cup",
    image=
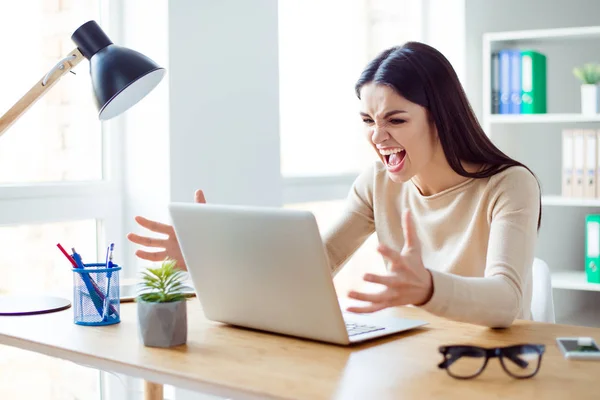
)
(96, 297)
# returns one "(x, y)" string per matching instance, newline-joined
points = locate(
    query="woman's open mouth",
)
(394, 159)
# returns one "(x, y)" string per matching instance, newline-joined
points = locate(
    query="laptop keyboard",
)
(358, 329)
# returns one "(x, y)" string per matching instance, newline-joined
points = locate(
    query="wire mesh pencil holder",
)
(96, 297)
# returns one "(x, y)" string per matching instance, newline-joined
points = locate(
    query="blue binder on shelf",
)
(510, 81)
(504, 81)
(495, 89)
(515, 82)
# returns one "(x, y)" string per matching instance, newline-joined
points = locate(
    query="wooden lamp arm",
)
(39, 90)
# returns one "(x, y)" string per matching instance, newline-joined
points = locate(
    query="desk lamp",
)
(121, 77)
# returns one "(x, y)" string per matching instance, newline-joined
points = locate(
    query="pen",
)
(109, 255)
(109, 264)
(89, 282)
(77, 258)
(67, 255)
(92, 288)
(109, 258)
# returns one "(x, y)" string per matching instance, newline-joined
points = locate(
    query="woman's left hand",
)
(408, 281)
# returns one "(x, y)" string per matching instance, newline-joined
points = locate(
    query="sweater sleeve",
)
(495, 300)
(355, 224)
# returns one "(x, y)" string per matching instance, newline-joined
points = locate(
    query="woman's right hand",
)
(169, 244)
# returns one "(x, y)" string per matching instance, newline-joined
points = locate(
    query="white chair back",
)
(542, 303)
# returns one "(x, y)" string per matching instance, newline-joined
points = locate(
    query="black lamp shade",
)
(121, 77)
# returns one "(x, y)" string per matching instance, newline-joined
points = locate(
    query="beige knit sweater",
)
(478, 239)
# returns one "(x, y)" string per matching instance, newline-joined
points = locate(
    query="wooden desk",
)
(244, 364)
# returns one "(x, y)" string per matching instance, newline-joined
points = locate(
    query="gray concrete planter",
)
(162, 324)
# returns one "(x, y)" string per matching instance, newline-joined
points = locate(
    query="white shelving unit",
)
(540, 118)
(579, 32)
(569, 201)
(514, 37)
(576, 280)
(571, 278)
(583, 316)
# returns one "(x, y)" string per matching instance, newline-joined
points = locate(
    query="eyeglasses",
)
(466, 362)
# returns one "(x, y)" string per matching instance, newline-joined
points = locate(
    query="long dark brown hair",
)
(422, 75)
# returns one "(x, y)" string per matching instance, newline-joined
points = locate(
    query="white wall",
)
(145, 137)
(224, 110)
(224, 104)
(146, 126)
(213, 122)
(445, 29)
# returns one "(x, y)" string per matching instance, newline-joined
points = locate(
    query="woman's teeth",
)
(387, 152)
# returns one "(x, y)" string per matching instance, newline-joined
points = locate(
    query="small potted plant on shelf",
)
(589, 75)
(161, 305)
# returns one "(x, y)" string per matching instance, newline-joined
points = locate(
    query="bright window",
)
(393, 22)
(323, 47)
(35, 265)
(320, 60)
(29, 375)
(58, 181)
(58, 139)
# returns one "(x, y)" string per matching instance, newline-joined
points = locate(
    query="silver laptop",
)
(266, 269)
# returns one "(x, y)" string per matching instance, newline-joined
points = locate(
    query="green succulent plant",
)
(162, 284)
(588, 74)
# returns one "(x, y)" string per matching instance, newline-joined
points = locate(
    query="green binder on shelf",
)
(533, 82)
(592, 248)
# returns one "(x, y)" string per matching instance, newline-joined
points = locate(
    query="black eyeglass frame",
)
(510, 352)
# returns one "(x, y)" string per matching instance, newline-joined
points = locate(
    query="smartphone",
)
(128, 292)
(579, 348)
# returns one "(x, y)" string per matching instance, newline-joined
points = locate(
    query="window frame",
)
(304, 189)
(307, 189)
(300, 188)
(102, 200)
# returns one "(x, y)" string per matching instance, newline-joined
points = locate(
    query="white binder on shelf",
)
(597, 194)
(567, 162)
(591, 163)
(578, 162)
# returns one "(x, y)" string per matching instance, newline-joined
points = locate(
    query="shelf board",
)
(570, 201)
(574, 280)
(540, 118)
(582, 317)
(583, 32)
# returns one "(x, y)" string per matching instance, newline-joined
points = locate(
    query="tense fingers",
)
(390, 254)
(154, 225)
(146, 241)
(199, 196)
(389, 297)
(367, 309)
(372, 297)
(387, 280)
(151, 256)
